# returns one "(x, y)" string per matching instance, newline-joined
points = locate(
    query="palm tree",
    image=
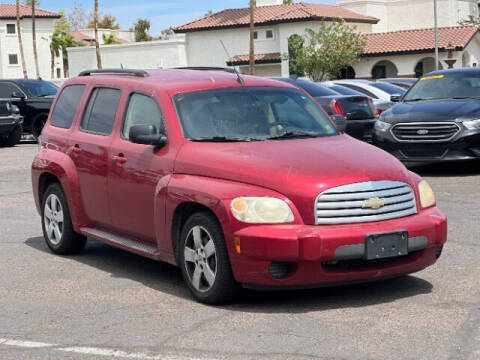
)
(251, 65)
(55, 47)
(97, 43)
(33, 4)
(20, 42)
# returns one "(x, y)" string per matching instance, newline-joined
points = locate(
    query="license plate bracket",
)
(386, 245)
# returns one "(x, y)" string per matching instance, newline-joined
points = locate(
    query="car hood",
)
(300, 169)
(433, 110)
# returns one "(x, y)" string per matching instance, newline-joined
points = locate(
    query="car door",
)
(135, 171)
(89, 152)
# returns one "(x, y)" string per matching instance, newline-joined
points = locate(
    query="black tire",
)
(224, 287)
(14, 137)
(69, 242)
(38, 124)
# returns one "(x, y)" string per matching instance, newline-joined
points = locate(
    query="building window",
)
(13, 59)
(269, 34)
(59, 73)
(11, 29)
(255, 35)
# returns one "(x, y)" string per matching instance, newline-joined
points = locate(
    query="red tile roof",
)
(405, 41)
(274, 14)
(270, 58)
(82, 38)
(9, 11)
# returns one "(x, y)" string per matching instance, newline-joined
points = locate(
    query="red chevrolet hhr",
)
(240, 181)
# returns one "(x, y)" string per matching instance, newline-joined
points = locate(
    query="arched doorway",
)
(425, 66)
(347, 73)
(295, 42)
(384, 69)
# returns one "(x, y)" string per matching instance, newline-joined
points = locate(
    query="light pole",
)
(436, 32)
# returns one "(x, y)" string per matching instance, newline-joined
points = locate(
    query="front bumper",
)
(361, 129)
(9, 123)
(464, 146)
(319, 255)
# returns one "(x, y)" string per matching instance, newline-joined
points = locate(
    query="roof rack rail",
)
(127, 72)
(206, 68)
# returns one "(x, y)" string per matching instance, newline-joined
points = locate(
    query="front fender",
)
(62, 167)
(214, 194)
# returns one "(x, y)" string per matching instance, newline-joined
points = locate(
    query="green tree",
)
(325, 52)
(105, 21)
(141, 29)
(167, 33)
(295, 42)
(61, 39)
(208, 13)
(109, 39)
(287, 1)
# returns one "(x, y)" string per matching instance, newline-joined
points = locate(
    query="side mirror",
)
(18, 95)
(340, 121)
(395, 97)
(147, 135)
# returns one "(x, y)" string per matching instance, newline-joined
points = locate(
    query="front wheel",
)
(57, 224)
(204, 260)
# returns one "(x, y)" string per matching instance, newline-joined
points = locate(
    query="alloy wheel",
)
(54, 218)
(200, 258)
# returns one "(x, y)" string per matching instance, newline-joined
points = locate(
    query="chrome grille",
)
(425, 131)
(349, 203)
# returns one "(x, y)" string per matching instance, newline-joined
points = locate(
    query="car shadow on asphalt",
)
(166, 278)
(450, 169)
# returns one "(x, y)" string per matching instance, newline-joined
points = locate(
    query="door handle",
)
(76, 149)
(120, 159)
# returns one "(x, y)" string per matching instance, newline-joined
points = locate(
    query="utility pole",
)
(251, 63)
(435, 16)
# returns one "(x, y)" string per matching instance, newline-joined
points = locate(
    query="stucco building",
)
(10, 61)
(400, 38)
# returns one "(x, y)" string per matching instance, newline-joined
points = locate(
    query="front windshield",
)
(250, 114)
(39, 88)
(445, 86)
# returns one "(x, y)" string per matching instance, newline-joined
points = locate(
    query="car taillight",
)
(379, 111)
(337, 108)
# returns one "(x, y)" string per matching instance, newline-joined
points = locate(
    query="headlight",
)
(427, 197)
(382, 126)
(258, 210)
(472, 124)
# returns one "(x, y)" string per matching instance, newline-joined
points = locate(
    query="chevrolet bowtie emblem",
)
(374, 203)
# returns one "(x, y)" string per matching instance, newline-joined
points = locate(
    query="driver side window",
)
(142, 110)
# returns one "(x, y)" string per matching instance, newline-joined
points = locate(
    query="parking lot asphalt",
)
(107, 303)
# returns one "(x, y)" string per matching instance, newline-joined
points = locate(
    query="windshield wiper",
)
(416, 99)
(295, 135)
(223, 139)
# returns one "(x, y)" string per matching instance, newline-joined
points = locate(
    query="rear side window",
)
(67, 105)
(101, 109)
(142, 110)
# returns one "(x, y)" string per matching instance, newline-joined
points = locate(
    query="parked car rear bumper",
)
(9, 123)
(361, 129)
(320, 255)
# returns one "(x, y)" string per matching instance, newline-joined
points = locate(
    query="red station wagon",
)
(237, 180)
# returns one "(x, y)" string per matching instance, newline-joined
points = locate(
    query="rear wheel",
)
(14, 137)
(57, 224)
(204, 260)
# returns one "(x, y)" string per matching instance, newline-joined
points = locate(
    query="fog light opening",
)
(279, 270)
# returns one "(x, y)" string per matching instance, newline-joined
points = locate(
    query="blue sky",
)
(162, 13)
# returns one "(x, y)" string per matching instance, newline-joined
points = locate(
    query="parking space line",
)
(90, 350)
